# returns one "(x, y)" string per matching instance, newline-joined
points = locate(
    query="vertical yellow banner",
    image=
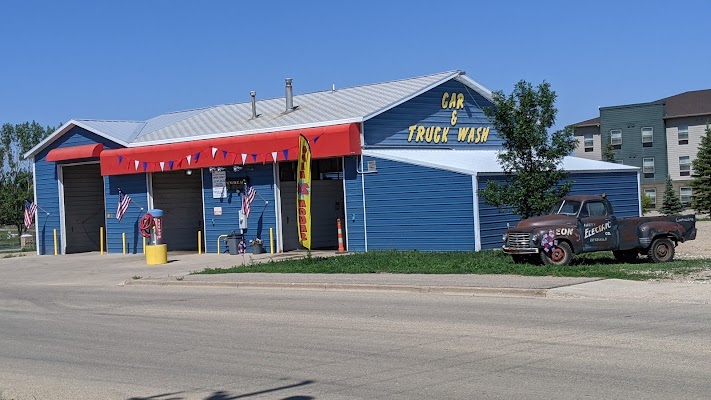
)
(303, 193)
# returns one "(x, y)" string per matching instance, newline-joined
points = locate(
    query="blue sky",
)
(137, 59)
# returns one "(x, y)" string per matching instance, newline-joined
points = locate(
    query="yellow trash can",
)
(157, 254)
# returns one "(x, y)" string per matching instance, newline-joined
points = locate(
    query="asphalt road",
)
(71, 342)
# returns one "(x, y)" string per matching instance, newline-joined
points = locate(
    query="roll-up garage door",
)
(83, 207)
(180, 197)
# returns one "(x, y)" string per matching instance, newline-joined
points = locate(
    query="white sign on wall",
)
(219, 184)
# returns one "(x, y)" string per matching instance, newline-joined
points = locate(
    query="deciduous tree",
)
(531, 157)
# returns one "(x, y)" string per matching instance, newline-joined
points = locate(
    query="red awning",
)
(326, 141)
(75, 152)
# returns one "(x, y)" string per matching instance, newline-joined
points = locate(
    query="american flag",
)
(247, 200)
(30, 210)
(124, 201)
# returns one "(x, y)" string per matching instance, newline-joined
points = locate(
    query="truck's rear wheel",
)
(559, 255)
(661, 250)
(626, 256)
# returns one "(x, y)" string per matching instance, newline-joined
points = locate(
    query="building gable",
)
(450, 115)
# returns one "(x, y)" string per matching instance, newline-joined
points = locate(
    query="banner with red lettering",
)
(303, 192)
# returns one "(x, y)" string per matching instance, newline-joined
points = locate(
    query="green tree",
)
(531, 158)
(608, 154)
(16, 172)
(646, 203)
(701, 182)
(671, 204)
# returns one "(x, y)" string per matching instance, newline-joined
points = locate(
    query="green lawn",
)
(601, 265)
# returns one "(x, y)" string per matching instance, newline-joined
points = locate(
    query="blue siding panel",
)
(411, 207)
(48, 186)
(355, 218)
(135, 186)
(620, 187)
(391, 128)
(262, 215)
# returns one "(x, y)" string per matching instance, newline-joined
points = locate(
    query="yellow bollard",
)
(199, 242)
(144, 245)
(123, 238)
(271, 240)
(56, 250)
(101, 240)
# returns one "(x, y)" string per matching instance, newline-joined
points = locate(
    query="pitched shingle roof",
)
(697, 102)
(590, 122)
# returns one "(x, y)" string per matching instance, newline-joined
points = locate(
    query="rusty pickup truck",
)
(582, 224)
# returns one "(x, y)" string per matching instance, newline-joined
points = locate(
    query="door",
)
(83, 188)
(179, 195)
(599, 227)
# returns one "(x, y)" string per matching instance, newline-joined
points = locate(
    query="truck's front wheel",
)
(661, 250)
(559, 255)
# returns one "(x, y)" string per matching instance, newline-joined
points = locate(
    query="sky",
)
(133, 60)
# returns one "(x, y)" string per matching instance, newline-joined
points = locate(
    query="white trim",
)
(412, 96)
(66, 128)
(62, 210)
(204, 213)
(345, 203)
(149, 190)
(478, 87)
(34, 189)
(477, 227)
(365, 220)
(639, 193)
(245, 133)
(62, 217)
(277, 209)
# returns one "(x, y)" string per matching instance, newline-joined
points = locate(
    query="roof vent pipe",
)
(289, 95)
(254, 103)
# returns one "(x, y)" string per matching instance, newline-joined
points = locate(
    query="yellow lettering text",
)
(453, 120)
(420, 134)
(445, 96)
(484, 134)
(412, 132)
(472, 134)
(437, 136)
(445, 131)
(452, 101)
(460, 101)
(462, 135)
(428, 134)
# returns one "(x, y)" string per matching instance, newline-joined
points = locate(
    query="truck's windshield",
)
(566, 207)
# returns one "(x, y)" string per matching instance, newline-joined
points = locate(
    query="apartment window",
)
(616, 138)
(588, 142)
(683, 134)
(685, 196)
(684, 166)
(647, 137)
(648, 167)
(652, 194)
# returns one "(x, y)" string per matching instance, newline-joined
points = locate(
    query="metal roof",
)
(312, 109)
(474, 162)
(331, 107)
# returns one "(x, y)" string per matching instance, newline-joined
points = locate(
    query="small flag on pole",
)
(124, 201)
(247, 200)
(30, 210)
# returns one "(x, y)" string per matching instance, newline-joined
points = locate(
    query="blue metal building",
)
(399, 162)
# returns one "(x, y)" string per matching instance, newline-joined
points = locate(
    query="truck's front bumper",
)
(519, 250)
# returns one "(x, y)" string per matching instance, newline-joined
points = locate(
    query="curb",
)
(461, 290)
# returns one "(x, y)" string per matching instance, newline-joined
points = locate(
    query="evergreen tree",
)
(701, 182)
(608, 154)
(531, 157)
(672, 204)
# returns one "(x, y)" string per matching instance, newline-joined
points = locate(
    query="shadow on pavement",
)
(223, 395)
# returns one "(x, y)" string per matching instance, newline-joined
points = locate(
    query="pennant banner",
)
(136, 163)
(162, 166)
(188, 158)
(214, 151)
(244, 158)
(274, 155)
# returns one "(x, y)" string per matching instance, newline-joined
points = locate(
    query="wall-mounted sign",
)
(219, 184)
(440, 134)
(217, 211)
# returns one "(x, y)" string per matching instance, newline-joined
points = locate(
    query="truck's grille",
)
(519, 240)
